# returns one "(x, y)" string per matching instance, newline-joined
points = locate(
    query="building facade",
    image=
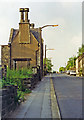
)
(23, 49)
(80, 65)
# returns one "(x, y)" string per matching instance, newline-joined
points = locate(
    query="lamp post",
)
(41, 48)
(45, 59)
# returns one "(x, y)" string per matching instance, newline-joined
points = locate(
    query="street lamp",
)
(48, 26)
(45, 59)
(41, 48)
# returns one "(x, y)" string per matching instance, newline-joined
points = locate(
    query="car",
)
(68, 72)
(73, 72)
(54, 71)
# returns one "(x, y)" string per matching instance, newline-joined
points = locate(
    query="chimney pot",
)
(26, 10)
(21, 9)
(22, 14)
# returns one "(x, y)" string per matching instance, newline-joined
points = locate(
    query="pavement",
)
(41, 103)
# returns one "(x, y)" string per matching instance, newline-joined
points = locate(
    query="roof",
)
(14, 32)
(35, 33)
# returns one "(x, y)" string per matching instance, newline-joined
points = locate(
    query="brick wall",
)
(30, 83)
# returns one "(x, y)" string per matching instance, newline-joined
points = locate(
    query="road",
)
(68, 90)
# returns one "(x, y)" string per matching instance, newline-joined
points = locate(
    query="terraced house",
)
(23, 49)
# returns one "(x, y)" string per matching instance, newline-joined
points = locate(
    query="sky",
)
(65, 38)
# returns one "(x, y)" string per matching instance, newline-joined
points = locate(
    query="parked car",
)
(54, 71)
(73, 73)
(68, 72)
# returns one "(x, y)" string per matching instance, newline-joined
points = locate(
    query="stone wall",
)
(30, 83)
(4, 55)
(9, 101)
(9, 94)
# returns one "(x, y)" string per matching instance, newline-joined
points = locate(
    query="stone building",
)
(80, 65)
(23, 49)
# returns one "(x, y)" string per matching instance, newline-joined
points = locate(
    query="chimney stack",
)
(26, 10)
(22, 14)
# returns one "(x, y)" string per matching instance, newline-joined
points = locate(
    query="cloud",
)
(58, 20)
(77, 40)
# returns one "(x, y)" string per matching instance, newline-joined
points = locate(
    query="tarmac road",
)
(68, 90)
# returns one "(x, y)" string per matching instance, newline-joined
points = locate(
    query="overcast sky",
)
(65, 39)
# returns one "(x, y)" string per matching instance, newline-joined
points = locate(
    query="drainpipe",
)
(9, 44)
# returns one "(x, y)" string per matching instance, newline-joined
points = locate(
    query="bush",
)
(27, 91)
(15, 77)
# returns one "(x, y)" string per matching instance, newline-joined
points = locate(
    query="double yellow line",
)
(54, 105)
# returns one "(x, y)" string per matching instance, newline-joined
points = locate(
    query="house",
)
(23, 49)
(80, 65)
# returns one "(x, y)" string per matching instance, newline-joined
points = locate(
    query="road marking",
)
(54, 105)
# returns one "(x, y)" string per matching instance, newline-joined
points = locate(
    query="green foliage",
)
(27, 91)
(72, 60)
(71, 63)
(15, 77)
(21, 73)
(62, 69)
(20, 95)
(81, 50)
(48, 64)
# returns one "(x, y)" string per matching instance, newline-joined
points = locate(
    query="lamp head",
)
(54, 25)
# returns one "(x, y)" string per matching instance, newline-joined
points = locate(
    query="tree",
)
(48, 64)
(81, 50)
(61, 69)
(71, 63)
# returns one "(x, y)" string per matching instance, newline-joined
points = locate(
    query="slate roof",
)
(35, 33)
(14, 32)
